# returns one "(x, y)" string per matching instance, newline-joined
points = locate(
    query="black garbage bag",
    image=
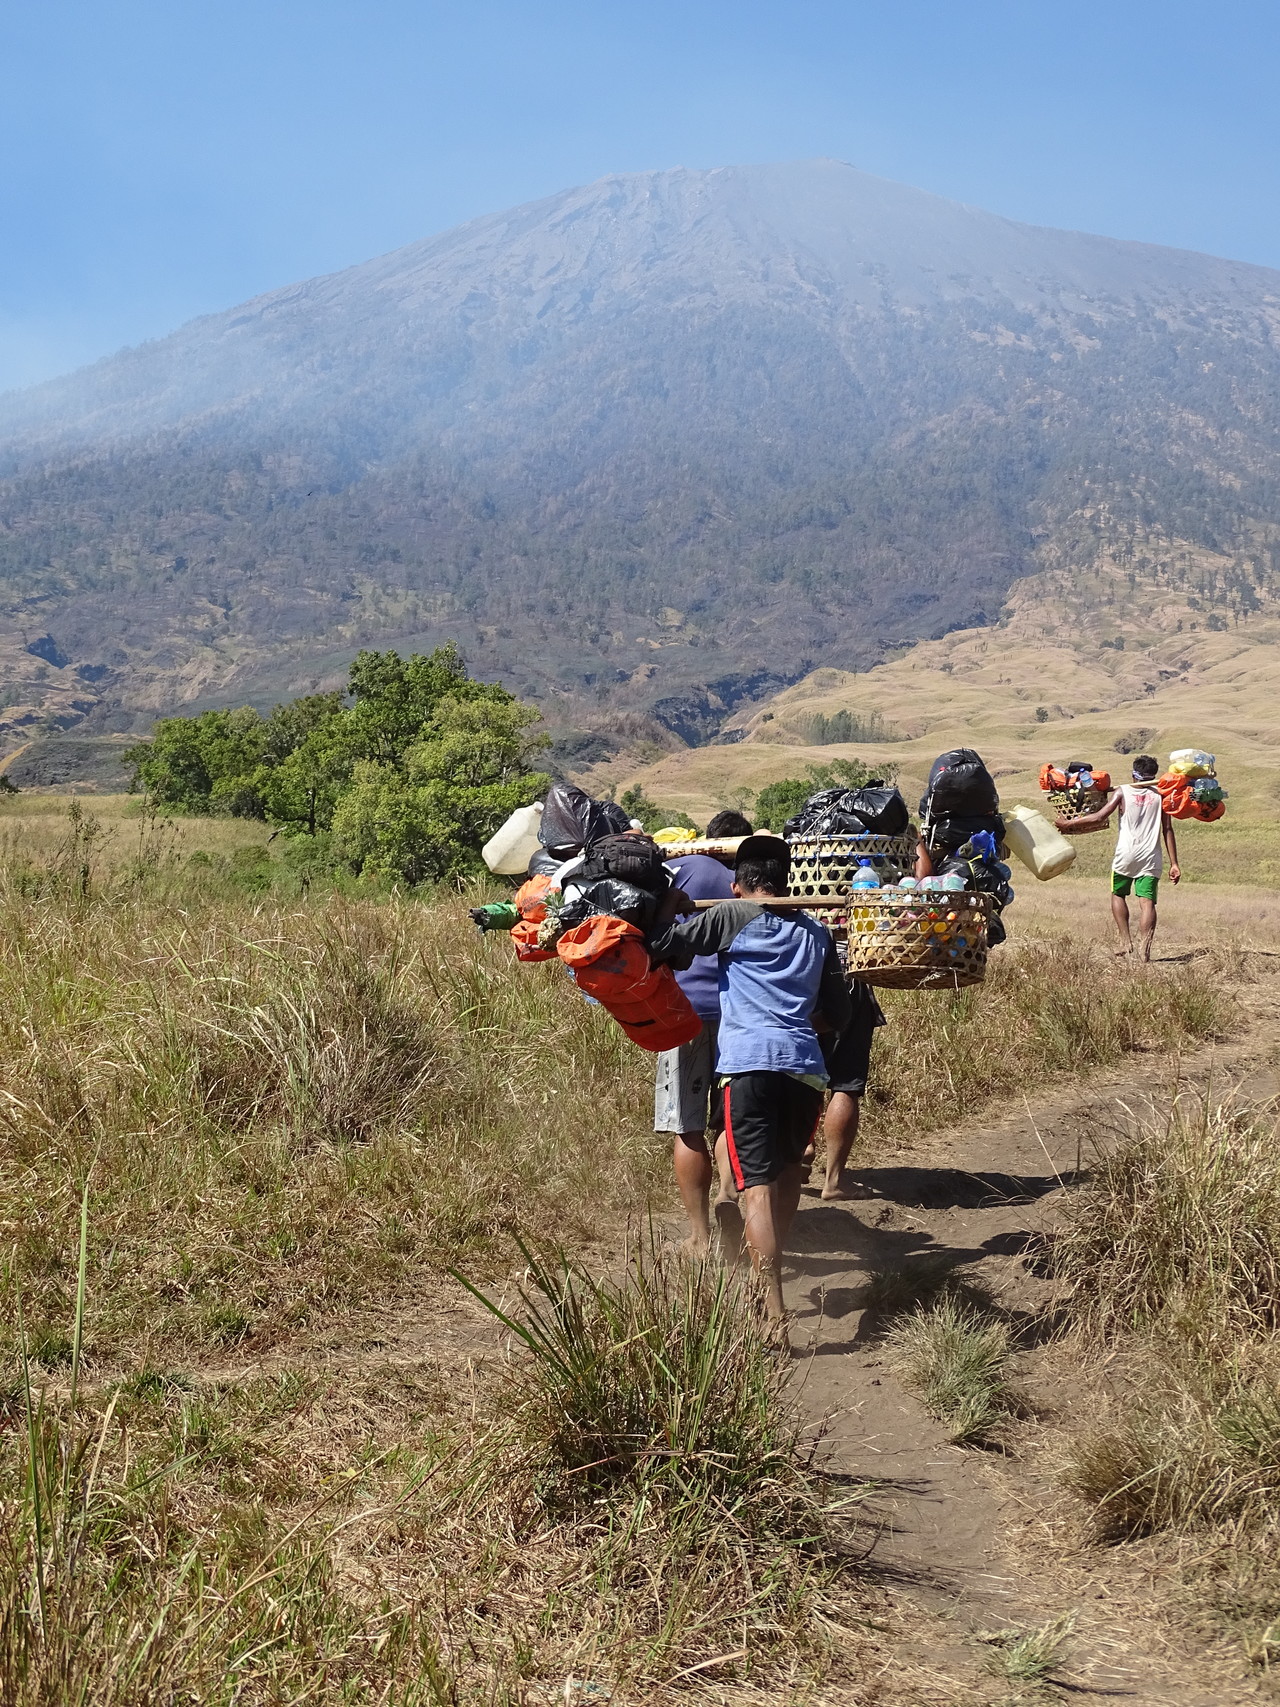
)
(882, 809)
(876, 809)
(543, 863)
(959, 785)
(946, 835)
(571, 819)
(607, 895)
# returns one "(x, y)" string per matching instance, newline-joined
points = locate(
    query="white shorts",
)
(684, 1097)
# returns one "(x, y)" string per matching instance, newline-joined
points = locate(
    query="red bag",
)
(608, 958)
(531, 904)
(1175, 792)
(531, 899)
(1052, 778)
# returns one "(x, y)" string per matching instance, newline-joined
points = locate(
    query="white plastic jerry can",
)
(509, 849)
(1040, 845)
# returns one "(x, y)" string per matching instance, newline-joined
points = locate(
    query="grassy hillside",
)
(1116, 654)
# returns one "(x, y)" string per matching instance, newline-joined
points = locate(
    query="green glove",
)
(495, 916)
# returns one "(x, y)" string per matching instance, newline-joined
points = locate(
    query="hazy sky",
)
(162, 158)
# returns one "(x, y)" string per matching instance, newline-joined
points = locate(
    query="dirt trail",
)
(970, 1541)
(971, 1537)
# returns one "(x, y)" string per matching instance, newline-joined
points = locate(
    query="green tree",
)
(203, 764)
(637, 804)
(429, 823)
(307, 762)
(396, 697)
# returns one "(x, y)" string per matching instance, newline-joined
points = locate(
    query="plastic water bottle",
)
(866, 876)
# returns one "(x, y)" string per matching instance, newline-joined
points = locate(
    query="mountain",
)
(656, 446)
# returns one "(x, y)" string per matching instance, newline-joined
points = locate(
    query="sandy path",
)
(971, 1538)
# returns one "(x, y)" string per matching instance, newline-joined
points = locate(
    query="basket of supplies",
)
(1075, 791)
(918, 940)
(823, 868)
(1075, 802)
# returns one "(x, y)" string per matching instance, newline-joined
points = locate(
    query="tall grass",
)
(279, 1108)
(1048, 1011)
(1178, 1229)
(164, 1542)
(1171, 1255)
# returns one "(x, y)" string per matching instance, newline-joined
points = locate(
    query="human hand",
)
(1175, 873)
(674, 904)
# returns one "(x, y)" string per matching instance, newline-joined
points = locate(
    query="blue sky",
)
(163, 158)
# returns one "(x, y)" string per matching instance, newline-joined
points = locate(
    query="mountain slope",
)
(669, 429)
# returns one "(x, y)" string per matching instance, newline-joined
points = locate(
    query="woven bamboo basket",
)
(1075, 802)
(824, 869)
(918, 941)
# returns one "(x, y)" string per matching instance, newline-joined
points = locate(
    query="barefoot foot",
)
(729, 1227)
(846, 1189)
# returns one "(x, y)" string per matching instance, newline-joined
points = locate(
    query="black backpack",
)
(632, 859)
(960, 786)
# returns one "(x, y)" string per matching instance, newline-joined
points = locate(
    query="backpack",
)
(959, 785)
(633, 859)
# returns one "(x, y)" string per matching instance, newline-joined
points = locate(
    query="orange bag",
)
(1102, 781)
(608, 958)
(1207, 814)
(531, 904)
(1175, 792)
(1051, 778)
(531, 899)
(525, 937)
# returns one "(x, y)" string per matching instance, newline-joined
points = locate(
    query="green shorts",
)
(1145, 888)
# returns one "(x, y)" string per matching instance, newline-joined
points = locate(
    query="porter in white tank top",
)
(1138, 849)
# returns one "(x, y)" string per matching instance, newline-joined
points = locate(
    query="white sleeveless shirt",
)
(1138, 849)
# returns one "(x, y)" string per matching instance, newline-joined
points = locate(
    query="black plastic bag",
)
(607, 895)
(882, 809)
(875, 809)
(945, 835)
(544, 863)
(960, 785)
(571, 819)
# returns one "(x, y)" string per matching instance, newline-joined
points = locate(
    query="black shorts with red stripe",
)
(769, 1121)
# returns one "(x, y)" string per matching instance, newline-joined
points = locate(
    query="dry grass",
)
(281, 1540)
(1049, 1009)
(956, 1356)
(280, 1110)
(1172, 1257)
(1178, 1230)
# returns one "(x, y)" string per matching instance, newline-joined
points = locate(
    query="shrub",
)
(1179, 1226)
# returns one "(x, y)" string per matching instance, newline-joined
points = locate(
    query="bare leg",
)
(760, 1224)
(840, 1130)
(1120, 913)
(767, 1214)
(728, 1212)
(693, 1176)
(1146, 925)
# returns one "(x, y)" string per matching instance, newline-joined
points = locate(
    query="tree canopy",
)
(408, 773)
